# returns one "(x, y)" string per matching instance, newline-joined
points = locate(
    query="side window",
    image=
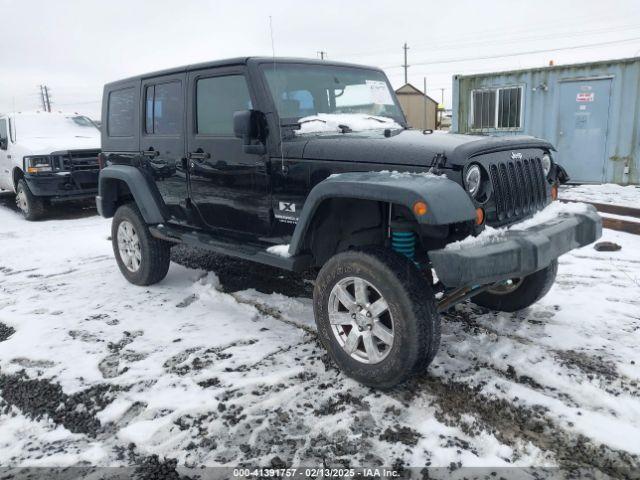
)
(163, 108)
(217, 99)
(121, 112)
(4, 133)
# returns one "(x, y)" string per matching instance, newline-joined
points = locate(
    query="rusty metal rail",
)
(616, 223)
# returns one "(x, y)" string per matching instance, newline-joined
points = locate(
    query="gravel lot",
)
(219, 364)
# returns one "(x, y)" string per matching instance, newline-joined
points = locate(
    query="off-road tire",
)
(34, 207)
(531, 289)
(411, 303)
(155, 253)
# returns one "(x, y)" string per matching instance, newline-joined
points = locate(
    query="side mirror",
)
(249, 125)
(4, 143)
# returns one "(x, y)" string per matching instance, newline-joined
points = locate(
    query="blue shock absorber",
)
(404, 242)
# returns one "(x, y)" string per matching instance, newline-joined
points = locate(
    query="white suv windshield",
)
(47, 125)
(307, 90)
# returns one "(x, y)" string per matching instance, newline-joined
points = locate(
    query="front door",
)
(162, 140)
(229, 187)
(582, 134)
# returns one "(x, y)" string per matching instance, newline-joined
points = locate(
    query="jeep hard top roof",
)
(239, 61)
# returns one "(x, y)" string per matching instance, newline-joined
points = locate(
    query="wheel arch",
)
(447, 203)
(16, 175)
(119, 184)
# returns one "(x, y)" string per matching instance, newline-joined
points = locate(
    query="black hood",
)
(405, 147)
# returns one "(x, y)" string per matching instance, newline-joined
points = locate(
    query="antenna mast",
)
(277, 99)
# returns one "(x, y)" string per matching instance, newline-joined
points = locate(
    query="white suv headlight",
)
(546, 163)
(472, 180)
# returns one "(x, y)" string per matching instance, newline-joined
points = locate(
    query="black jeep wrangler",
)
(309, 165)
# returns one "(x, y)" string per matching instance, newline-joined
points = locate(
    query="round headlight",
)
(546, 163)
(472, 180)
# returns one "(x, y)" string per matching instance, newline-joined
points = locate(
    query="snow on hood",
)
(49, 145)
(331, 122)
(49, 132)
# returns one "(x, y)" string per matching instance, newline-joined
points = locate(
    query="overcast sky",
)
(75, 46)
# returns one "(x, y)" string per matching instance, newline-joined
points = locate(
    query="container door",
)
(582, 134)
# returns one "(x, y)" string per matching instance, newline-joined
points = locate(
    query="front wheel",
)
(519, 293)
(142, 258)
(31, 207)
(376, 316)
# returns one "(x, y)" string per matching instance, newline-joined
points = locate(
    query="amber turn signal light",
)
(479, 216)
(420, 208)
(554, 192)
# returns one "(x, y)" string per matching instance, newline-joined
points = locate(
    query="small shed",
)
(589, 111)
(421, 110)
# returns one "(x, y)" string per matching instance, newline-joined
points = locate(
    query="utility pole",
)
(322, 54)
(425, 104)
(45, 98)
(405, 65)
(442, 103)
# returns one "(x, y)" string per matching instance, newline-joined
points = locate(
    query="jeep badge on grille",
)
(516, 156)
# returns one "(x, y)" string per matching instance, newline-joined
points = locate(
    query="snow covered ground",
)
(220, 365)
(628, 196)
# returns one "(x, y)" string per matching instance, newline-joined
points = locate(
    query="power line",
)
(514, 34)
(519, 38)
(530, 52)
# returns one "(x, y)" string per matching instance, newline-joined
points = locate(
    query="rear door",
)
(582, 129)
(162, 137)
(229, 188)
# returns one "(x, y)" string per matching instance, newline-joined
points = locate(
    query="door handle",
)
(199, 155)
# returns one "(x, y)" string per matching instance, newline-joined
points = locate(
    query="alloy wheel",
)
(360, 320)
(129, 246)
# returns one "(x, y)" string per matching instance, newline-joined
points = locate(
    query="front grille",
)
(79, 160)
(518, 188)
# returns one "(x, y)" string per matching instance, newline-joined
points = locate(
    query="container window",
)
(509, 105)
(496, 108)
(121, 112)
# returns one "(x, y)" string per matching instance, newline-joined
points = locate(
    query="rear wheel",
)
(31, 207)
(519, 293)
(142, 258)
(376, 316)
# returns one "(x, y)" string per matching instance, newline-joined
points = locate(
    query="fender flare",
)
(447, 202)
(147, 198)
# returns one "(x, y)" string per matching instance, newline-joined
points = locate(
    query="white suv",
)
(48, 157)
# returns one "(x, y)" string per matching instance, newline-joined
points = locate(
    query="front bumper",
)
(517, 253)
(72, 185)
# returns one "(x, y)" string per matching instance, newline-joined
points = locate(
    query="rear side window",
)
(217, 99)
(121, 112)
(163, 109)
(4, 133)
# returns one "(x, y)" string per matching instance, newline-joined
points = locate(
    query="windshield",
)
(307, 90)
(47, 125)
